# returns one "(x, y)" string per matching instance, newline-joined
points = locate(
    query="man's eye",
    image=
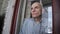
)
(36, 7)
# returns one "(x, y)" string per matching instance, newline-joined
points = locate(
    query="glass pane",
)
(49, 10)
(50, 19)
(29, 25)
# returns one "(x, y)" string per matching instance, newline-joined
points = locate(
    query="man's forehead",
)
(36, 4)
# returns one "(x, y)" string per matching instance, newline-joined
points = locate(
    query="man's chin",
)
(35, 16)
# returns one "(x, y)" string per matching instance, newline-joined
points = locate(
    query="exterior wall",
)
(1, 2)
(8, 6)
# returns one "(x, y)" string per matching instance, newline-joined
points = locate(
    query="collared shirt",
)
(31, 27)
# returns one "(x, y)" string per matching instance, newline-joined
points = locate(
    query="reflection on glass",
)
(50, 19)
(49, 10)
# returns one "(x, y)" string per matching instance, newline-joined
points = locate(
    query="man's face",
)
(36, 10)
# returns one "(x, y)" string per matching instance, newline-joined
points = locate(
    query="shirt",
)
(31, 27)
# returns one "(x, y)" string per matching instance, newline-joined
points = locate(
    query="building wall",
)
(8, 8)
(1, 2)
